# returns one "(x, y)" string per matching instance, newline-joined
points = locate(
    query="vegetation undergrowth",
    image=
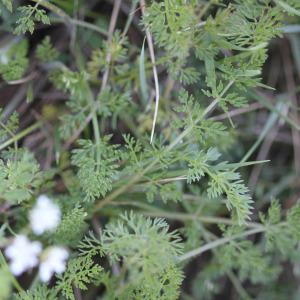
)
(129, 168)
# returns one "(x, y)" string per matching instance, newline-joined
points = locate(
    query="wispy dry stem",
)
(152, 56)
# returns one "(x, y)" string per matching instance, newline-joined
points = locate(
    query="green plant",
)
(115, 168)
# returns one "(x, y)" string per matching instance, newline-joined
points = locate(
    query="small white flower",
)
(23, 254)
(45, 216)
(53, 262)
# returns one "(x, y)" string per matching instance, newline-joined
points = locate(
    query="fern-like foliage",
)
(250, 261)
(76, 85)
(172, 25)
(222, 180)
(80, 272)
(113, 105)
(9, 127)
(38, 293)
(29, 15)
(162, 285)
(97, 166)
(149, 251)
(205, 131)
(14, 61)
(19, 177)
(45, 51)
(292, 7)
(7, 4)
(90, 245)
(208, 54)
(167, 192)
(117, 49)
(71, 228)
(282, 236)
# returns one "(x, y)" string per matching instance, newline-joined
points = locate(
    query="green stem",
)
(238, 286)
(138, 176)
(202, 116)
(129, 19)
(123, 188)
(94, 117)
(82, 24)
(52, 8)
(204, 219)
(219, 242)
(20, 135)
(66, 18)
(96, 129)
(13, 279)
(268, 126)
(11, 134)
(205, 9)
(235, 281)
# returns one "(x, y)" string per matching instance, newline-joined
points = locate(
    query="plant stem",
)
(83, 24)
(219, 242)
(238, 286)
(21, 135)
(138, 176)
(204, 114)
(268, 126)
(94, 117)
(155, 76)
(112, 25)
(205, 9)
(235, 281)
(66, 18)
(13, 279)
(124, 187)
(204, 219)
(52, 8)
(11, 134)
(105, 76)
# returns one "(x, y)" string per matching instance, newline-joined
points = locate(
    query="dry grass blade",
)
(152, 56)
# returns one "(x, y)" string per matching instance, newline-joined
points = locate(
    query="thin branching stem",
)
(67, 19)
(189, 217)
(155, 76)
(222, 241)
(138, 176)
(21, 134)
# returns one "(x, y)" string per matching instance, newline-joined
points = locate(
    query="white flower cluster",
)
(45, 216)
(25, 254)
(54, 262)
